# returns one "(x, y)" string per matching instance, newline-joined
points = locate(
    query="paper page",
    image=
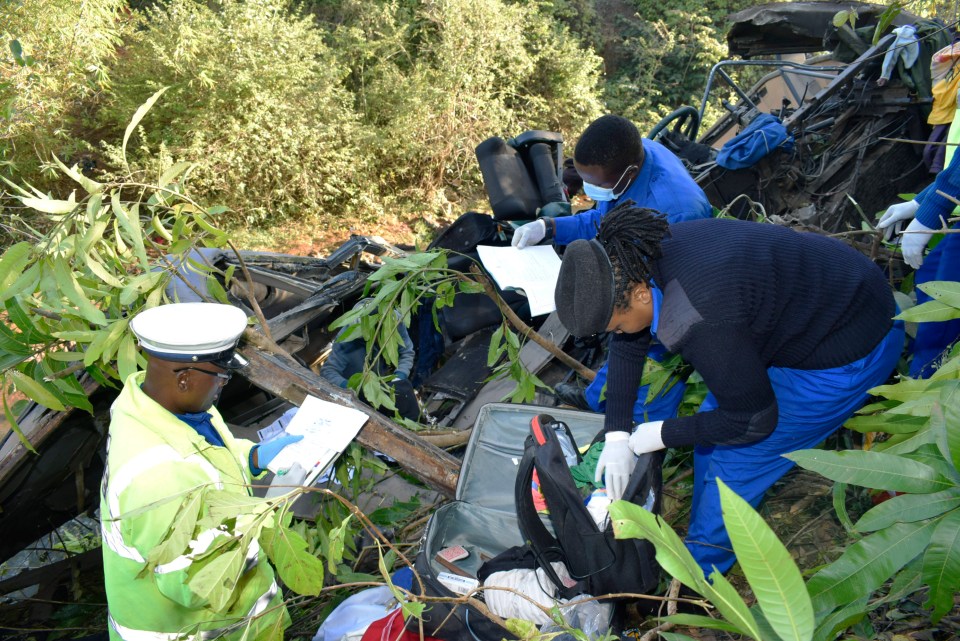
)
(327, 429)
(534, 270)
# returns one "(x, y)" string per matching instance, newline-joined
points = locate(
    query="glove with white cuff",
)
(913, 241)
(648, 437)
(529, 234)
(615, 464)
(897, 213)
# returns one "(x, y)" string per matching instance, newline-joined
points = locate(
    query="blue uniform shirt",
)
(934, 207)
(663, 184)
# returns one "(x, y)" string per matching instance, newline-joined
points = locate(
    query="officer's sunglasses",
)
(224, 376)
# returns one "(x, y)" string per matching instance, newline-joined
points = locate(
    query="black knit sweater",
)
(739, 297)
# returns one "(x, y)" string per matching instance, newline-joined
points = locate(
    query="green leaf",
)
(130, 222)
(21, 318)
(69, 287)
(174, 171)
(127, 356)
(35, 390)
(216, 579)
(17, 50)
(908, 508)
(27, 281)
(896, 445)
(867, 564)
(951, 426)
(13, 342)
(941, 565)
(50, 205)
(872, 469)
(676, 636)
(631, 521)
(886, 422)
(337, 542)
(700, 621)
(931, 311)
(90, 186)
(176, 543)
(301, 571)
(12, 262)
(906, 389)
(769, 568)
(830, 626)
(137, 117)
(840, 506)
(14, 425)
(494, 350)
(730, 604)
(945, 291)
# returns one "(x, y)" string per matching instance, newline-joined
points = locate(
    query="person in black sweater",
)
(788, 330)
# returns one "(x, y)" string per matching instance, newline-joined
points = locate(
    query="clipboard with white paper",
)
(534, 270)
(327, 429)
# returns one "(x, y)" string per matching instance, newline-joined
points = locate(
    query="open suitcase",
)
(483, 518)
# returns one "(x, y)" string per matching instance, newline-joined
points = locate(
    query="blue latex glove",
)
(266, 452)
(400, 376)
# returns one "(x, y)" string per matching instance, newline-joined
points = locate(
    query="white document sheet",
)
(534, 270)
(327, 429)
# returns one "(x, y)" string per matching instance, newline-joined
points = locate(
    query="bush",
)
(435, 79)
(53, 67)
(255, 100)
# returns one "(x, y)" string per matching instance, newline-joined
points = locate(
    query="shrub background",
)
(330, 114)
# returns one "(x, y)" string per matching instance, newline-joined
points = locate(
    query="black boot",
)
(571, 394)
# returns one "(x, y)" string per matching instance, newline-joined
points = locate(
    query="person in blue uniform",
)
(788, 330)
(928, 213)
(617, 164)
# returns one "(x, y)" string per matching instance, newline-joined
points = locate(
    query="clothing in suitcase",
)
(483, 518)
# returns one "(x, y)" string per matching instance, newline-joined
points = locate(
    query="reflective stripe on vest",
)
(200, 545)
(116, 483)
(130, 634)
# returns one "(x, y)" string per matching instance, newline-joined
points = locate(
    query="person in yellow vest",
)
(165, 440)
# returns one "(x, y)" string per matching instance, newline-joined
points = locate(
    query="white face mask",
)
(604, 194)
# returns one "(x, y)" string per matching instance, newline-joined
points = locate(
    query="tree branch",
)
(527, 331)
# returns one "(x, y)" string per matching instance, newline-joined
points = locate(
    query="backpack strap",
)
(545, 546)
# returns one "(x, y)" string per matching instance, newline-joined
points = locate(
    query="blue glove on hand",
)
(266, 452)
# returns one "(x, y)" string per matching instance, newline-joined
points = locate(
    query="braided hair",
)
(631, 237)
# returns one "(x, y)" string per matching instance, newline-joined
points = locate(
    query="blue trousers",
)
(943, 263)
(812, 404)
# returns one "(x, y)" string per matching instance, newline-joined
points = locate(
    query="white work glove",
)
(615, 464)
(913, 241)
(529, 234)
(648, 437)
(895, 214)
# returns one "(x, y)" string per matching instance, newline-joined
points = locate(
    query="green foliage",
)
(254, 99)
(911, 538)
(664, 57)
(432, 80)
(54, 65)
(400, 287)
(782, 600)
(69, 292)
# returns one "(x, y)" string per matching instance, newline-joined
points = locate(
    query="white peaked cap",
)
(191, 332)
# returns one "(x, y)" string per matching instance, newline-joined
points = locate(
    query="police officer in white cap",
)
(166, 440)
